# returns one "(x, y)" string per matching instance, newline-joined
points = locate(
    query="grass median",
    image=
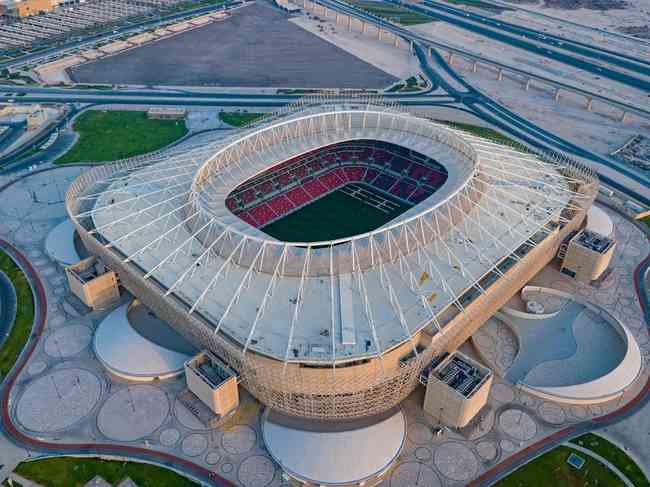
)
(240, 119)
(106, 136)
(389, 12)
(24, 320)
(77, 472)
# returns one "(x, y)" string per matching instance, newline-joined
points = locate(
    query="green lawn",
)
(390, 12)
(615, 455)
(552, 470)
(333, 216)
(240, 119)
(76, 472)
(486, 132)
(479, 4)
(22, 327)
(110, 135)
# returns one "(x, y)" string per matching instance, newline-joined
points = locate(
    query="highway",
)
(573, 46)
(525, 44)
(411, 36)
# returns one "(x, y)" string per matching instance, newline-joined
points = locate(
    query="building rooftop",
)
(282, 299)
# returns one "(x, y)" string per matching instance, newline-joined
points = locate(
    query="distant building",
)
(25, 8)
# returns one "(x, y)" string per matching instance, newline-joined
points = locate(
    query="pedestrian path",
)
(23, 481)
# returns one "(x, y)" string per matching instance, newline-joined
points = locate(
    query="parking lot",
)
(256, 47)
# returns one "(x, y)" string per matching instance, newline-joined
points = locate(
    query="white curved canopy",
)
(285, 300)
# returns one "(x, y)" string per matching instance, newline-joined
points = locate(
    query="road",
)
(561, 43)
(559, 55)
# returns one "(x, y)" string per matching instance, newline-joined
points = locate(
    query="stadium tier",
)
(395, 171)
(330, 252)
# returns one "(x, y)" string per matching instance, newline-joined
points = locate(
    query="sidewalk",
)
(10, 456)
(23, 481)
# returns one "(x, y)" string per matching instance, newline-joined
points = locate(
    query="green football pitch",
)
(336, 215)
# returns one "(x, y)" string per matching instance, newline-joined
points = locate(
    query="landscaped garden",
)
(110, 135)
(76, 472)
(24, 320)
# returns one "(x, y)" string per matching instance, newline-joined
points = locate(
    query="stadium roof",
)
(326, 301)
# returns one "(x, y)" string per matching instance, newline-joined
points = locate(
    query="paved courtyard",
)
(65, 395)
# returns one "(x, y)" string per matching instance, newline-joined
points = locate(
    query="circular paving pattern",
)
(212, 458)
(528, 400)
(226, 467)
(456, 461)
(186, 418)
(507, 446)
(133, 413)
(68, 341)
(37, 367)
(486, 450)
(58, 400)
(596, 410)
(578, 412)
(552, 413)
(414, 474)
(423, 454)
(256, 471)
(419, 433)
(56, 321)
(194, 444)
(169, 437)
(518, 424)
(239, 439)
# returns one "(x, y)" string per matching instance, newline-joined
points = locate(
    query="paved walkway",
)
(10, 456)
(602, 460)
(23, 481)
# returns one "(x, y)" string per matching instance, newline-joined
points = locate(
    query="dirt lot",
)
(257, 47)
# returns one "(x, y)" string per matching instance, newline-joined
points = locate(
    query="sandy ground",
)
(524, 60)
(396, 61)
(636, 13)
(558, 26)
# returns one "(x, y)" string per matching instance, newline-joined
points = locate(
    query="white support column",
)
(379, 33)
(590, 103)
(349, 23)
(557, 94)
(500, 74)
(624, 116)
(396, 41)
(451, 58)
(474, 66)
(528, 82)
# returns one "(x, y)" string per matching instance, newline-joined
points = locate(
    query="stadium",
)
(330, 252)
